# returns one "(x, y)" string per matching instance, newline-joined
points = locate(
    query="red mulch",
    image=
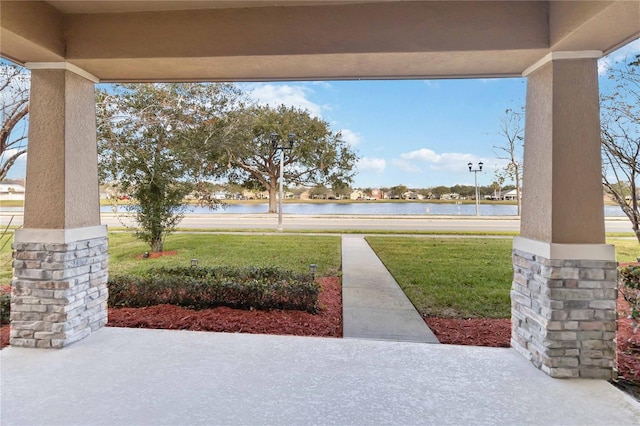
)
(628, 343)
(326, 323)
(155, 255)
(473, 331)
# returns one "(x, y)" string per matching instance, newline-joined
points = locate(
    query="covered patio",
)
(122, 376)
(564, 286)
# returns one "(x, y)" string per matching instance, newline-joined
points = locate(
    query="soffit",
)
(281, 40)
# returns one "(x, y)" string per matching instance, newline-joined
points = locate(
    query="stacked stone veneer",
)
(59, 292)
(563, 314)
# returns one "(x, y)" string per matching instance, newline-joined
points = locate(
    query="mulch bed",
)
(472, 331)
(155, 255)
(326, 323)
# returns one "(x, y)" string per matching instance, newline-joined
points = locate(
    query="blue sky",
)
(418, 133)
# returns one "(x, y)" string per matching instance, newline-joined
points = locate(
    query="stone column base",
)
(59, 290)
(563, 311)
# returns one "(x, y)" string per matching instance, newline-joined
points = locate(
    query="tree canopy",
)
(317, 156)
(149, 142)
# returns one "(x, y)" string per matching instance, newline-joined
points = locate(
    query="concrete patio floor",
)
(123, 376)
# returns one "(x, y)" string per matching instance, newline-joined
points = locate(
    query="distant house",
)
(377, 194)
(11, 191)
(412, 195)
(512, 195)
(451, 196)
(357, 195)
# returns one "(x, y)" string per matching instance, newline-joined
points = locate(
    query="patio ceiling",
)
(286, 40)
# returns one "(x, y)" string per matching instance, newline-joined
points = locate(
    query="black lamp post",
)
(475, 174)
(275, 138)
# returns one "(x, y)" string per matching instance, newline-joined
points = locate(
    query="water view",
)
(374, 208)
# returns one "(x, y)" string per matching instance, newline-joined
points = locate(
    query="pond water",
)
(373, 208)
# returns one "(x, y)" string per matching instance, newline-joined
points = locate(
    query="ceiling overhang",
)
(287, 40)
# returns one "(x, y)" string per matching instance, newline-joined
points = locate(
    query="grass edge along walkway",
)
(460, 277)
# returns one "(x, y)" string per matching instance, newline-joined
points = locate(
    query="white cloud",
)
(289, 95)
(377, 165)
(453, 162)
(323, 84)
(351, 137)
(406, 166)
(447, 161)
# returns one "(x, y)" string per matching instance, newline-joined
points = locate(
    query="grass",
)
(293, 252)
(451, 277)
(290, 252)
(461, 277)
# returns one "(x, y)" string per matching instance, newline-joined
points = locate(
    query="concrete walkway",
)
(135, 377)
(373, 305)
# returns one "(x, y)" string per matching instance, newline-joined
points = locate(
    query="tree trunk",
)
(157, 244)
(273, 190)
(519, 201)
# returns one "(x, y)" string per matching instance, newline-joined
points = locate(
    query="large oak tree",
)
(318, 155)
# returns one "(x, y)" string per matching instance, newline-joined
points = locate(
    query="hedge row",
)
(202, 288)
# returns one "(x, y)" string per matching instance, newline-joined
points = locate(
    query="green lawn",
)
(461, 277)
(452, 277)
(286, 251)
(466, 277)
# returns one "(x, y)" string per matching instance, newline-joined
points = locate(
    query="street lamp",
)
(475, 174)
(275, 138)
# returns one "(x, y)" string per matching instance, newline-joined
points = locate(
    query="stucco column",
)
(60, 269)
(62, 168)
(564, 287)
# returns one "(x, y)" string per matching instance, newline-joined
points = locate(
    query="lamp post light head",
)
(291, 140)
(469, 166)
(312, 270)
(480, 164)
(274, 140)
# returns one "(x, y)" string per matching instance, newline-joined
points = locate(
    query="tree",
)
(317, 157)
(498, 184)
(14, 104)
(341, 189)
(439, 191)
(620, 136)
(398, 190)
(512, 129)
(148, 141)
(319, 191)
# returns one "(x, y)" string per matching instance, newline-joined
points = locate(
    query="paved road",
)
(346, 222)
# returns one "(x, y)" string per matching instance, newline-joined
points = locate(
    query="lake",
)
(373, 208)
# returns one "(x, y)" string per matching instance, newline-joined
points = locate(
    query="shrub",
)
(5, 307)
(202, 288)
(630, 289)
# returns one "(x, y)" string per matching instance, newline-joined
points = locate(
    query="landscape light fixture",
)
(475, 174)
(312, 270)
(275, 139)
(194, 263)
